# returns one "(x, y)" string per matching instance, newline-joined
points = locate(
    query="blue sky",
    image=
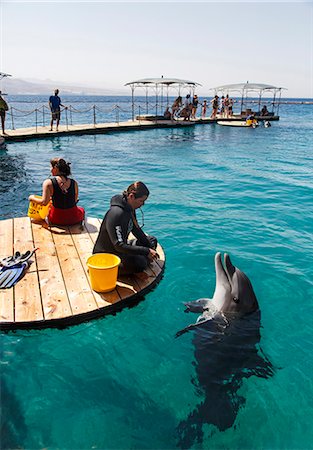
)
(105, 44)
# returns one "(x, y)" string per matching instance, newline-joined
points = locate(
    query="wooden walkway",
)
(55, 290)
(24, 134)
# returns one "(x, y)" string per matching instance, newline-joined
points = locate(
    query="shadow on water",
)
(12, 424)
(13, 184)
(12, 171)
(186, 134)
(224, 357)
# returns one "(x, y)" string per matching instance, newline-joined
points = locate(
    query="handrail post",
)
(139, 114)
(43, 116)
(117, 109)
(36, 119)
(12, 120)
(66, 118)
(94, 115)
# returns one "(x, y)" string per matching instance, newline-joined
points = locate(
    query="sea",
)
(125, 381)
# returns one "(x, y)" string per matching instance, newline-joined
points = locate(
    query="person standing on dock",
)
(214, 103)
(54, 104)
(3, 109)
(116, 226)
(204, 108)
(194, 106)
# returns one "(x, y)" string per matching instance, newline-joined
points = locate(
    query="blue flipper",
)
(11, 261)
(10, 276)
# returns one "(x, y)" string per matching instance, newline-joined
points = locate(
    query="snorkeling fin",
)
(11, 261)
(9, 276)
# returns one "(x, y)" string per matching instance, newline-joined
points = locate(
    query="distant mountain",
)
(15, 86)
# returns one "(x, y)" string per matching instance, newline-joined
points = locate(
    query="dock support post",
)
(94, 115)
(66, 118)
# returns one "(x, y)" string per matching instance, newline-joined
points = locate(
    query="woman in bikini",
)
(63, 191)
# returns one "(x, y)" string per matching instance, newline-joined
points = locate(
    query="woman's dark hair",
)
(139, 189)
(62, 166)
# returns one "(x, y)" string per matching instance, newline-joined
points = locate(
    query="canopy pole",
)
(274, 99)
(133, 104)
(156, 100)
(260, 96)
(241, 109)
(279, 101)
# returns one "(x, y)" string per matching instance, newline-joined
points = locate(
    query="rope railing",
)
(93, 114)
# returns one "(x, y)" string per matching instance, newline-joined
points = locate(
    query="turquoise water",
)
(124, 381)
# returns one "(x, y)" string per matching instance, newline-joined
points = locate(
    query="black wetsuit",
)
(115, 228)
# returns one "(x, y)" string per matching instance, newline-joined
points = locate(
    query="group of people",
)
(187, 109)
(222, 106)
(120, 220)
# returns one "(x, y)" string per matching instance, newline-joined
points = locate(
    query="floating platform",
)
(141, 123)
(55, 290)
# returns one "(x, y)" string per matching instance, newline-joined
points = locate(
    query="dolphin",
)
(226, 340)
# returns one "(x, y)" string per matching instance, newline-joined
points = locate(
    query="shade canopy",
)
(3, 75)
(245, 87)
(146, 82)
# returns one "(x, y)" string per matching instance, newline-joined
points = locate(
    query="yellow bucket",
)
(38, 212)
(103, 268)
(249, 122)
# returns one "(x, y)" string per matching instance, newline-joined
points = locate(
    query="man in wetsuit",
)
(118, 222)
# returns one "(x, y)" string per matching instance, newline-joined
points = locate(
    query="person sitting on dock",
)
(167, 114)
(54, 104)
(264, 111)
(118, 222)
(63, 191)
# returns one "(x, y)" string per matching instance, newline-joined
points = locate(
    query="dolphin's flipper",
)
(207, 316)
(198, 305)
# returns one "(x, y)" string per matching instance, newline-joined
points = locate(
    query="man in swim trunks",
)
(54, 104)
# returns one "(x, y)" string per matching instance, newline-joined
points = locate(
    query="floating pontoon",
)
(252, 96)
(161, 87)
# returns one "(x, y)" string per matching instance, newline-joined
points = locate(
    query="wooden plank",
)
(6, 249)
(75, 279)
(27, 297)
(53, 292)
(84, 246)
(93, 226)
(161, 260)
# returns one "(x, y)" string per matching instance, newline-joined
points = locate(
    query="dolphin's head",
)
(233, 291)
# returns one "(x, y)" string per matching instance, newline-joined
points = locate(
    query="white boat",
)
(237, 123)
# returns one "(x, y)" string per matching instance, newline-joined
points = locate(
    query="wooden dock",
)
(55, 290)
(40, 132)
